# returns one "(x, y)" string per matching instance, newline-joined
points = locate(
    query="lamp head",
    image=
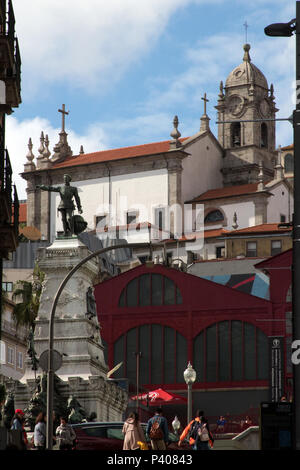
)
(281, 29)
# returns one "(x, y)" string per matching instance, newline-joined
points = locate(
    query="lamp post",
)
(189, 377)
(50, 373)
(286, 30)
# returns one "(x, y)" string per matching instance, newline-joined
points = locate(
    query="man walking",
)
(157, 430)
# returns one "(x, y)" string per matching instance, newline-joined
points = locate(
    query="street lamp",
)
(189, 377)
(286, 30)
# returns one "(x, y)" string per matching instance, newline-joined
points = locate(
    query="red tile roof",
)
(288, 147)
(117, 154)
(228, 191)
(262, 228)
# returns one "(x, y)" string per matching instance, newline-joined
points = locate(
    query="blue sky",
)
(124, 68)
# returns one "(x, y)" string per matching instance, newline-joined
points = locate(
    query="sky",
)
(125, 68)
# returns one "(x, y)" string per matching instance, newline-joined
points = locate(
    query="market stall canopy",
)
(159, 397)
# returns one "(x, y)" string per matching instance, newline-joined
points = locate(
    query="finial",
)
(42, 147)
(235, 224)
(175, 134)
(30, 155)
(279, 175)
(221, 94)
(81, 151)
(29, 165)
(64, 113)
(246, 57)
(47, 152)
(260, 186)
(272, 92)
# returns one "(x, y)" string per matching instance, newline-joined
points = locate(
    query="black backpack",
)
(194, 429)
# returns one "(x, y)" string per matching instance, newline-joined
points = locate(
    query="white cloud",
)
(88, 44)
(18, 134)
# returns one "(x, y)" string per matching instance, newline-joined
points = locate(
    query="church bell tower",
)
(246, 130)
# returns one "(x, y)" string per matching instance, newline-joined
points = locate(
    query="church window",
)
(150, 289)
(288, 163)
(231, 350)
(159, 218)
(131, 217)
(214, 216)
(236, 134)
(264, 135)
(101, 221)
(163, 354)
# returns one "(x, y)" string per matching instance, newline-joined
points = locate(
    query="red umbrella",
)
(159, 397)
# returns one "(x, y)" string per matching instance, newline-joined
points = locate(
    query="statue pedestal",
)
(77, 338)
(76, 332)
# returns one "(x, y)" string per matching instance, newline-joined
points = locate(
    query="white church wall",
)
(281, 203)
(140, 191)
(201, 170)
(245, 212)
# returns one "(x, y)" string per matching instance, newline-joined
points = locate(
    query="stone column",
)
(76, 334)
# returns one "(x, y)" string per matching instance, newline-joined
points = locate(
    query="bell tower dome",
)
(246, 132)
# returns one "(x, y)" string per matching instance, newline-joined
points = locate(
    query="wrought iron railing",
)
(5, 174)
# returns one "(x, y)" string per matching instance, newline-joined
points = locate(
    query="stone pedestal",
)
(76, 333)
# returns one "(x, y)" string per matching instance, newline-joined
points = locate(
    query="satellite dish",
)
(57, 360)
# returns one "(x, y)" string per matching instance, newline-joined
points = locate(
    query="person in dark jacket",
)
(158, 444)
(18, 424)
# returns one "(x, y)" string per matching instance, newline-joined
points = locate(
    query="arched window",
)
(214, 216)
(163, 354)
(150, 289)
(236, 134)
(231, 351)
(264, 135)
(288, 163)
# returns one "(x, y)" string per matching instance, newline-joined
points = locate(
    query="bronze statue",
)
(71, 224)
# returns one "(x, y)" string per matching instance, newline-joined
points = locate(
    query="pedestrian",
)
(157, 430)
(191, 431)
(65, 435)
(18, 425)
(204, 437)
(39, 437)
(133, 432)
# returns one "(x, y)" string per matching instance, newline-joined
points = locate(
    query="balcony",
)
(10, 60)
(9, 208)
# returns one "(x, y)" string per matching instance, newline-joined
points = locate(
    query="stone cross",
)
(63, 112)
(205, 101)
(246, 29)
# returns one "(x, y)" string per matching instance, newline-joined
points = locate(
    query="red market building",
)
(168, 317)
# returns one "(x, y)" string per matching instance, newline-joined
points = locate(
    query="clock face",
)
(236, 104)
(264, 108)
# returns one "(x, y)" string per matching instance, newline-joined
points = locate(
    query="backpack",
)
(156, 432)
(203, 433)
(194, 431)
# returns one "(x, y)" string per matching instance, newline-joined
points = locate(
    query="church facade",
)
(237, 178)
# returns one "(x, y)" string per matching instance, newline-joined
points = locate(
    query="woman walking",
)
(40, 432)
(133, 432)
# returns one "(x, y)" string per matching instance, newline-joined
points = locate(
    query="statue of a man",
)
(66, 206)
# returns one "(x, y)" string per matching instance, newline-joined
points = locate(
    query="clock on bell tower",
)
(246, 130)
